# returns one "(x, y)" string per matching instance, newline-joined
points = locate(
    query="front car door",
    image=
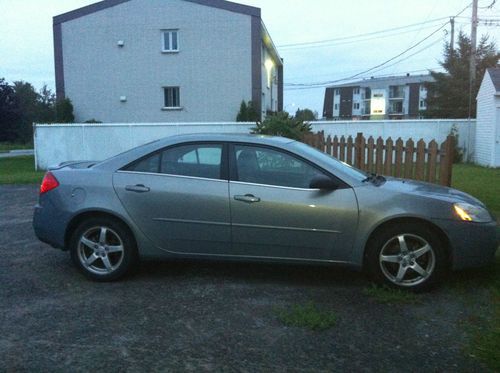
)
(275, 214)
(178, 197)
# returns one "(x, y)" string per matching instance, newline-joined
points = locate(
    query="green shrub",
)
(282, 124)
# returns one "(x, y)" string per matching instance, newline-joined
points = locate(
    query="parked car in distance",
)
(248, 197)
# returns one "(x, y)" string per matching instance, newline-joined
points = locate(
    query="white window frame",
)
(336, 106)
(178, 107)
(169, 33)
(356, 91)
(337, 92)
(422, 104)
(356, 106)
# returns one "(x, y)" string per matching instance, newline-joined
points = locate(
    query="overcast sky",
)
(27, 50)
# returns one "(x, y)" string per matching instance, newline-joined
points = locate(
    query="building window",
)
(356, 91)
(356, 106)
(170, 41)
(422, 104)
(336, 107)
(422, 88)
(172, 98)
(337, 91)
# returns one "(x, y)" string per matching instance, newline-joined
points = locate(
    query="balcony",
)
(396, 93)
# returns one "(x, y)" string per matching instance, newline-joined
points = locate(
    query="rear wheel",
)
(407, 256)
(103, 249)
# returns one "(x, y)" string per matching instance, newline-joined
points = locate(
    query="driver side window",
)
(260, 165)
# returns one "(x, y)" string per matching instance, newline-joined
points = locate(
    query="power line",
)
(310, 43)
(427, 46)
(365, 77)
(389, 60)
(355, 41)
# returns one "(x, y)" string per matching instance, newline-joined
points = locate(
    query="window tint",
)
(202, 160)
(267, 166)
(149, 164)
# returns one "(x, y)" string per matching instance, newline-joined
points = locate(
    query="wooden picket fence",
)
(424, 162)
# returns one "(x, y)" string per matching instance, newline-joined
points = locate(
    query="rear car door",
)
(178, 197)
(276, 214)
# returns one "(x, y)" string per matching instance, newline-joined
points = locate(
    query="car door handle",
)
(248, 198)
(139, 188)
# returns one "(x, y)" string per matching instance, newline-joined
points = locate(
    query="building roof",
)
(385, 81)
(96, 7)
(495, 77)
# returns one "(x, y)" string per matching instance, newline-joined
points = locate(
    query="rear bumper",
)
(472, 244)
(49, 226)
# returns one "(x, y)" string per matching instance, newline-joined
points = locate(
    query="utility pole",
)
(452, 41)
(473, 40)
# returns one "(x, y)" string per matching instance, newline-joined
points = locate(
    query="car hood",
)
(418, 188)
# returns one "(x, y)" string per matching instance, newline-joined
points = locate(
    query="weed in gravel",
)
(384, 294)
(307, 315)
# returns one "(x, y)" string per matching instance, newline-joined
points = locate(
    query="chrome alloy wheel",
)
(100, 250)
(407, 260)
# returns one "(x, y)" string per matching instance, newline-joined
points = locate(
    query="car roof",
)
(233, 137)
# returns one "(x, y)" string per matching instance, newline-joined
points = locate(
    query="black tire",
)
(103, 249)
(418, 268)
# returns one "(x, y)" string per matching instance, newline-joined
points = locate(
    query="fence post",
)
(409, 159)
(419, 170)
(446, 161)
(358, 151)
(388, 157)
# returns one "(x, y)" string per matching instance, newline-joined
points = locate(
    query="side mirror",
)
(323, 182)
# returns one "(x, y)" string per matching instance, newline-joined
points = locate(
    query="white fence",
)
(55, 143)
(427, 129)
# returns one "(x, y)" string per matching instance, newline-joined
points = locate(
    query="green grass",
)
(481, 182)
(7, 146)
(383, 294)
(483, 328)
(307, 316)
(19, 170)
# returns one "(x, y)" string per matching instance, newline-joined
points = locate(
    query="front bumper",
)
(472, 244)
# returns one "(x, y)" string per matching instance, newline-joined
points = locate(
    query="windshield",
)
(341, 166)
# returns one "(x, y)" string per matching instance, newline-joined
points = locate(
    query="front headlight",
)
(468, 212)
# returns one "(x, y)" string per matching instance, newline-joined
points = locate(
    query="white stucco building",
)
(165, 61)
(487, 149)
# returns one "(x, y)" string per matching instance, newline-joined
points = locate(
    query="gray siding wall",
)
(485, 123)
(213, 67)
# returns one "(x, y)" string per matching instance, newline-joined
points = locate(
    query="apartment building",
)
(166, 61)
(395, 97)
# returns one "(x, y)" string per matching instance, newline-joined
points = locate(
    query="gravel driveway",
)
(178, 316)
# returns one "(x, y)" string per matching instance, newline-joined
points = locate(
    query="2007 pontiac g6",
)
(261, 198)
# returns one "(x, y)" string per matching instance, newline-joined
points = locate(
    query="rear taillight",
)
(49, 182)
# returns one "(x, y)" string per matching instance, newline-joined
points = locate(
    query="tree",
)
(247, 113)
(64, 111)
(9, 112)
(282, 124)
(448, 95)
(306, 115)
(47, 100)
(28, 100)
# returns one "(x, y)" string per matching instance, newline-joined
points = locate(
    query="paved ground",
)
(16, 153)
(207, 316)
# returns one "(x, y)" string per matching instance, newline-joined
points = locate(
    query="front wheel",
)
(103, 249)
(408, 256)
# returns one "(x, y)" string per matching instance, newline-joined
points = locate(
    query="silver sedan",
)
(244, 197)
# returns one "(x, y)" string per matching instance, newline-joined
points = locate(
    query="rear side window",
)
(149, 164)
(193, 160)
(196, 160)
